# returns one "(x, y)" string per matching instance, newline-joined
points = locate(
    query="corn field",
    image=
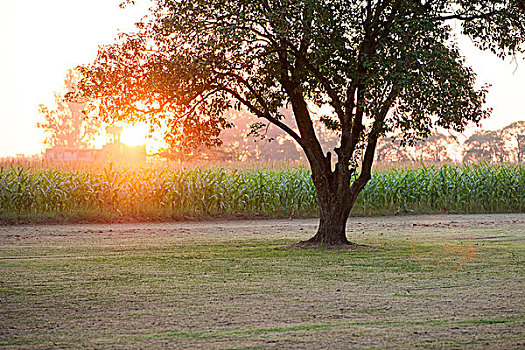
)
(156, 193)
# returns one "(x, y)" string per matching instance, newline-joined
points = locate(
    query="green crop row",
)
(165, 193)
(464, 189)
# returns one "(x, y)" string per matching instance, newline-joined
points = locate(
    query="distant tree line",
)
(503, 145)
(498, 146)
(246, 142)
(239, 144)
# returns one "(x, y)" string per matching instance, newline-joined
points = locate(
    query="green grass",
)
(458, 280)
(109, 194)
(329, 326)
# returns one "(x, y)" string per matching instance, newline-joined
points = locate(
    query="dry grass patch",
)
(432, 281)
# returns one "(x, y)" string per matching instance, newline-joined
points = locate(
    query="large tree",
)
(376, 66)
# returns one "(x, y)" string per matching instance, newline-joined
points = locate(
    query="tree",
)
(485, 146)
(389, 149)
(67, 126)
(435, 148)
(378, 66)
(515, 134)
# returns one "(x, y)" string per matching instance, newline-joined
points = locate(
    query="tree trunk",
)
(332, 228)
(336, 196)
(334, 209)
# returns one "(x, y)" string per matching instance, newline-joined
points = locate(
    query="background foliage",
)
(67, 125)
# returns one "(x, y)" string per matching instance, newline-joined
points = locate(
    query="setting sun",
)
(138, 134)
(134, 135)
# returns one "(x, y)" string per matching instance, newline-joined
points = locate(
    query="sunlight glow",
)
(134, 135)
(139, 134)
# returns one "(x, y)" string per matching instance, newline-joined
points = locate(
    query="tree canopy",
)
(371, 67)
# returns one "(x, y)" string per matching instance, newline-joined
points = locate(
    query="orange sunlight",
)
(134, 135)
(138, 134)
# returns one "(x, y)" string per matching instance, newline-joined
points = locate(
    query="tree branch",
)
(264, 115)
(467, 18)
(368, 159)
(335, 100)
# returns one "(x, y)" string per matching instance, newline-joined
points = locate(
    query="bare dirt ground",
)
(437, 281)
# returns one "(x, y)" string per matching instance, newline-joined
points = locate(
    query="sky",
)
(41, 40)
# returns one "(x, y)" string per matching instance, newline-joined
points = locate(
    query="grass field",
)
(426, 281)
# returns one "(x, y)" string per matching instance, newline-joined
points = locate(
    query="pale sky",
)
(40, 40)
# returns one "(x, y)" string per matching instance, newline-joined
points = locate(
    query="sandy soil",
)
(295, 228)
